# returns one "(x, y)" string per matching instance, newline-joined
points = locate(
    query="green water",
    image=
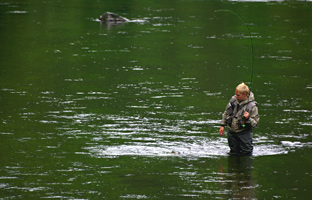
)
(93, 111)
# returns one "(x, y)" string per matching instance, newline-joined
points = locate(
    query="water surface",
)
(91, 110)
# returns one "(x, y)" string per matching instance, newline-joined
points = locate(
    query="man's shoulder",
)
(252, 104)
(233, 99)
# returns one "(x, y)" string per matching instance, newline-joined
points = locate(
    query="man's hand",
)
(246, 115)
(221, 131)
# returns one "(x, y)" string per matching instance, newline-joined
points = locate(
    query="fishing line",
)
(252, 49)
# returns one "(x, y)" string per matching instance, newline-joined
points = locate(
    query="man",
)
(240, 116)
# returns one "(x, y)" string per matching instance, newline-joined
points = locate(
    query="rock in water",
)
(109, 17)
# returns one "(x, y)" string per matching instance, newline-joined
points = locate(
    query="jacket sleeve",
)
(223, 122)
(254, 117)
(225, 114)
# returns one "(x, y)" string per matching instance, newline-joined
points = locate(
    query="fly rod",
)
(252, 49)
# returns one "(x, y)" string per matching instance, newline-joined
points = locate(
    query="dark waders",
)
(240, 143)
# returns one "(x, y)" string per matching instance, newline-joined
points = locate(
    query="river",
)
(132, 111)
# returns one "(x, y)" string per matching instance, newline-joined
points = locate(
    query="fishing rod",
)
(252, 54)
(252, 49)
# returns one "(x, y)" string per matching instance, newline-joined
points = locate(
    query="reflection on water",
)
(239, 182)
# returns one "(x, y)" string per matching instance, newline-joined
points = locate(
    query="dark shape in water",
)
(109, 17)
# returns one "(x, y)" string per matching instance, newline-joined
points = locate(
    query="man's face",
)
(239, 96)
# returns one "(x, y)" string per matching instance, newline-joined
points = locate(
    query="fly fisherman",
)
(240, 116)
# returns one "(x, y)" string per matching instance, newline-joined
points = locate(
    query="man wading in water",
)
(240, 116)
